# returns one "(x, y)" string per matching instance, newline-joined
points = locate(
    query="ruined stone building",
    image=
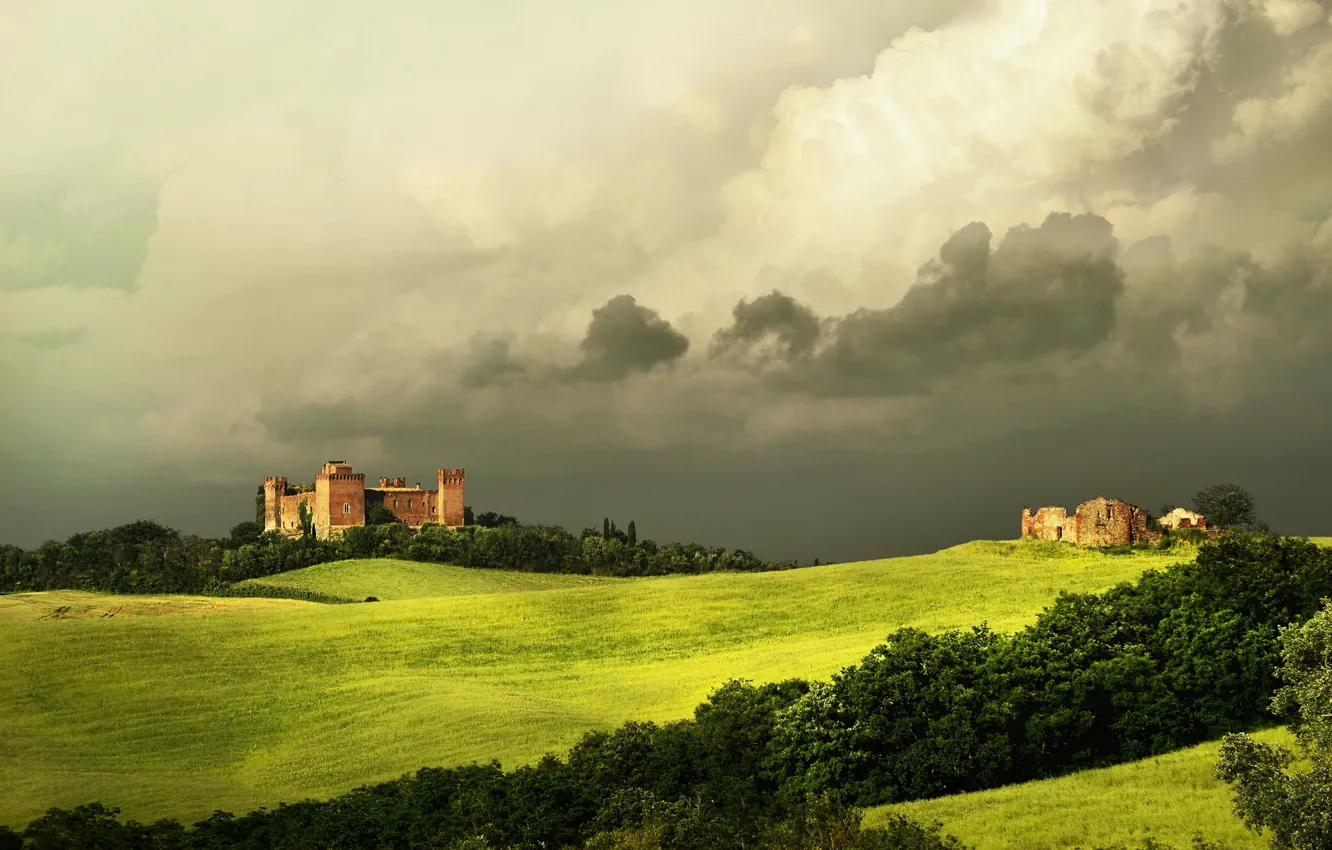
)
(1183, 518)
(1097, 522)
(338, 499)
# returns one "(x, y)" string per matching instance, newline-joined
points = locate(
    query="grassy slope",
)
(387, 579)
(77, 605)
(177, 716)
(1167, 798)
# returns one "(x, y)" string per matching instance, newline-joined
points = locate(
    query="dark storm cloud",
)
(1044, 290)
(491, 363)
(775, 316)
(624, 338)
(880, 431)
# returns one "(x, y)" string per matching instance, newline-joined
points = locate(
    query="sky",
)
(829, 279)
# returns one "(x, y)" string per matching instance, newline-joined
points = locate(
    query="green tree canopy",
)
(1227, 506)
(1269, 792)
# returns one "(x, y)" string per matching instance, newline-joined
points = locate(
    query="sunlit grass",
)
(1167, 798)
(179, 715)
(390, 579)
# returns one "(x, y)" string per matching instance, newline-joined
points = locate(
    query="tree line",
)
(145, 557)
(1175, 658)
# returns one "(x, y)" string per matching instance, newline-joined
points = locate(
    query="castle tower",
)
(274, 489)
(451, 497)
(339, 499)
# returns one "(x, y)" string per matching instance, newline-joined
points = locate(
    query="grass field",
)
(385, 580)
(1167, 798)
(179, 715)
(76, 605)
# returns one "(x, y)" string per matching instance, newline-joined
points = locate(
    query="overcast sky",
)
(817, 278)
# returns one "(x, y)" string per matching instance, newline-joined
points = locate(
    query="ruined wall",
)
(451, 497)
(1103, 522)
(1096, 522)
(1183, 518)
(1110, 522)
(1048, 523)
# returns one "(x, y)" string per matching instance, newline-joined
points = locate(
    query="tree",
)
(1227, 506)
(633, 534)
(244, 533)
(1291, 803)
(306, 518)
(605, 528)
(377, 514)
(259, 503)
(469, 518)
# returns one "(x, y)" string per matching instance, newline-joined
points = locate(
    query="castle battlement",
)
(339, 500)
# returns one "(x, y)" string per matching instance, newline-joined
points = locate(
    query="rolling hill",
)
(1167, 798)
(259, 701)
(387, 579)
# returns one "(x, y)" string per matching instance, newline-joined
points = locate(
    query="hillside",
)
(175, 715)
(387, 579)
(77, 605)
(1167, 798)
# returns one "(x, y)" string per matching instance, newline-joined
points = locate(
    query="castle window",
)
(409, 503)
(346, 507)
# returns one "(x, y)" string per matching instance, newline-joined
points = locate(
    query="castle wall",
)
(291, 511)
(410, 505)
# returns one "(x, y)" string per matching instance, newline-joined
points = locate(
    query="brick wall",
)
(408, 504)
(451, 496)
(1096, 522)
(1048, 523)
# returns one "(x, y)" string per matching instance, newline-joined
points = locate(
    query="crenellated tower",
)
(339, 499)
(451, 497)
(275, 488)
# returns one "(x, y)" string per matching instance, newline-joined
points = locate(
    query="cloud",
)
(1044, 290)
(777, 317)
(53, 338)
(83, 225)
(625, 338)
(384, 237)
(490, 364)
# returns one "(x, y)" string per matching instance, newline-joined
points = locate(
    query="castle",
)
(339, 500)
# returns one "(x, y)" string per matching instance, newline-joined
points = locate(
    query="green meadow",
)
(386, 579)
(1168, 798)
(176, 706)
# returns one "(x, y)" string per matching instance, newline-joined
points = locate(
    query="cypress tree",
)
(633, 534)
(605, 528)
